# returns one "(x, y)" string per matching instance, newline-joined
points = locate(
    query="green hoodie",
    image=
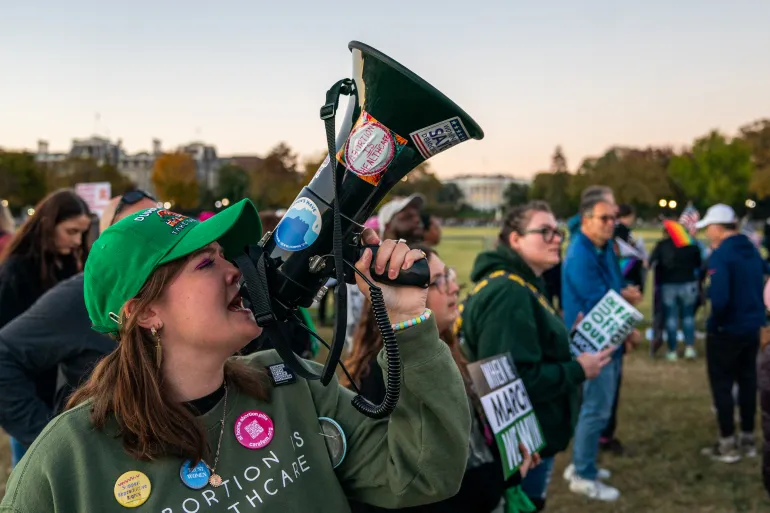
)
(416, 456)
(505, 315)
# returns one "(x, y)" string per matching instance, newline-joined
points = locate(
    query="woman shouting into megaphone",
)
(170, 422)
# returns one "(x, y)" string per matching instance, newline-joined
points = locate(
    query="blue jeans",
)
(595, 412)
(679, 303)
(17, 452)
(535, 485)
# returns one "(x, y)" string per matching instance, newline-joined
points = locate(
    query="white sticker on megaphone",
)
(300, 226)
(439, 137)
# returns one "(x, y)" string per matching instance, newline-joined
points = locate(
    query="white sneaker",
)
(689, 353)
(593, 489)
(569, 473)
(671, 356)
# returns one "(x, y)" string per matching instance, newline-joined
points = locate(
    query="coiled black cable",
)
(393, 382)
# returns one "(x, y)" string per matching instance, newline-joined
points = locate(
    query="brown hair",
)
(35, 239)
(367, 341)
(128, 385)
(518, 217)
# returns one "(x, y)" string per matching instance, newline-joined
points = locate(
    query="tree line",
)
(717, 168)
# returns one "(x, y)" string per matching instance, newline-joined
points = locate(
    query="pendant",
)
(215, 480)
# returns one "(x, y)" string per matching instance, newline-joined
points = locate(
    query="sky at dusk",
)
(245, 75)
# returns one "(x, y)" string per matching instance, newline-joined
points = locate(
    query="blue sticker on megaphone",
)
(300, 226)
(196, 477)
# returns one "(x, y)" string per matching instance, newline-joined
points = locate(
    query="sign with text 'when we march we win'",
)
(609, 322)
(507, 409)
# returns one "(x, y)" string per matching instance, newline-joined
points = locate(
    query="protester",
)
(677, 269)
(483, 485)
(509, 313)
(54, 333)
(50, 247)
(736, 271)
(590, 193)
(7, 227)
(398, 219)
(431, 230)
(634, 267)
(590, 271)
(143, 430)
(764, 398)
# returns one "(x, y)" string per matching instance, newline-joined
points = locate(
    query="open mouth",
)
(236, 305)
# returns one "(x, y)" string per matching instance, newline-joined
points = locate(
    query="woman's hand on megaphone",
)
(403, 303)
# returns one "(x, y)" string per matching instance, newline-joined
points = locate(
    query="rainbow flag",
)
(678, 233)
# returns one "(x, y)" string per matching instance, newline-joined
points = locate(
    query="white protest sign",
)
(609, 322)
(96, 195)
(507, 409)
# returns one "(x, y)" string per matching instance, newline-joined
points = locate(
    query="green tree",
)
(554, 188)
(716, 170)
(757, 136)
(174, 178)
(558, 161)
(516, 194)
(276, 181)
(22, 182)
(233, 183)
(77, 170)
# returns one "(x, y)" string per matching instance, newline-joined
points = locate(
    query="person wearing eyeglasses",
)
(590, 271)
(483, 486)
(509, 312)
(53, 336)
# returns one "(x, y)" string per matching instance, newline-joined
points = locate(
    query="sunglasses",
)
(130, 198)
(548, 233)
(605, 218)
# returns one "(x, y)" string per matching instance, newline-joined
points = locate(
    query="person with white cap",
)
(398, 219)
(736, 271)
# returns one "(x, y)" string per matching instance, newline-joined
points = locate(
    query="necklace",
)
(216, 480)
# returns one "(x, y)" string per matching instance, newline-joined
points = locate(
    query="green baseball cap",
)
(128, 252)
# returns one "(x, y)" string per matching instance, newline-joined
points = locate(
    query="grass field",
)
(665, 419)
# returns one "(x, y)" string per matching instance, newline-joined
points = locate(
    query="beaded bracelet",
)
(412, 322)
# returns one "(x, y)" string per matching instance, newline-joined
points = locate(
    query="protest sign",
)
(96, 195)
(507, 408)
(609, 322)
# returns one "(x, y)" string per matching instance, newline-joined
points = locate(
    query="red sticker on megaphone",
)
(370, 148)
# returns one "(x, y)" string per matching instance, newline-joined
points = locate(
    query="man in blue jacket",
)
(736, 270)
(590, 271)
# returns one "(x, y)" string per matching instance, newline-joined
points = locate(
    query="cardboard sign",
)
(96, 195)
(507, 409)
(609, 322)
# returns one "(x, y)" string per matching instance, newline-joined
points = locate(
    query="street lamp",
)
(30, 211)
(751, 203)
(672, 204)
(218, 204)
(225, 202)
(167, 204)
(662, 203)
(4, 203)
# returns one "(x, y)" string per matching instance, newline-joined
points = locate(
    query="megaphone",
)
(394, 121)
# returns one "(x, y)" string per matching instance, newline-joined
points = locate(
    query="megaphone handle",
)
(416, 276)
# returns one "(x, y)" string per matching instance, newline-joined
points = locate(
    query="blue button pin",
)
(194, 477)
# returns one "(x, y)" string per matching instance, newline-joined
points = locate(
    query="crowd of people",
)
(117, 358)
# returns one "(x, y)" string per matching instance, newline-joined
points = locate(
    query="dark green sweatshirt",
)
(506, 316)
(416, 456)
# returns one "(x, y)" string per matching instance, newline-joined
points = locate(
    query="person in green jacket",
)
(508, 312)
(170, 422)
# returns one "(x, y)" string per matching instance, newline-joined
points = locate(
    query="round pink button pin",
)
(254, 429)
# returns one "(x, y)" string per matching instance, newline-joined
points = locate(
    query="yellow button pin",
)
(132, 489)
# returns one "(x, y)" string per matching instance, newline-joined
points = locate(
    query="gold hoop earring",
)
(158, 348)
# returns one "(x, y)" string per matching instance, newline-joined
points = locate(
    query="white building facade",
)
(485, 192)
